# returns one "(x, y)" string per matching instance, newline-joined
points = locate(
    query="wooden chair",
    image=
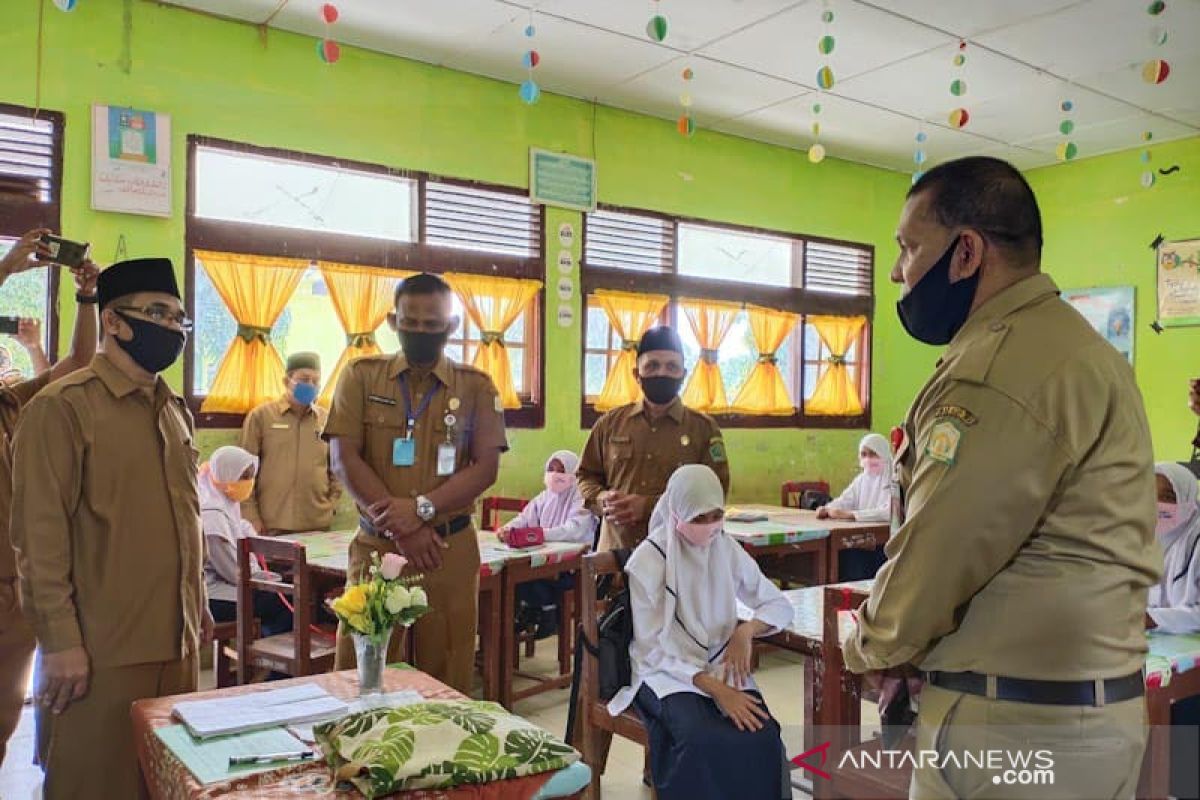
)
(595, 726)
(225, 652)
(792, 492)
(492, 507)
(295, 653)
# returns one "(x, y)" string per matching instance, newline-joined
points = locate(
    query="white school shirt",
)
(647, 588)
(868, 497)
(1174, 603)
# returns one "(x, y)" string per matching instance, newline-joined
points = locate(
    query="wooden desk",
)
(786, 532)
(787, 525)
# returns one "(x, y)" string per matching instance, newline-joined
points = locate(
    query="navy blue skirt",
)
(696, 753)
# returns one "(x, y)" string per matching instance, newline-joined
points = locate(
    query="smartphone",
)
(10, 325)
(64, 252)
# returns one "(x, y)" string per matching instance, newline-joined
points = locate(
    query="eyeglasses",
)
(161, 314)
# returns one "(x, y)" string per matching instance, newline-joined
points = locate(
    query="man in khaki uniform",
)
(296, 490)
(417, 439)
(16, 637)
(633, 450)
(106, 525)
(1018, 575)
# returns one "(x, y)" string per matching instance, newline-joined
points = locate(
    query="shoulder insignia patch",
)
(956, 412)
(499, 405)
(943, 441)
(716, 450)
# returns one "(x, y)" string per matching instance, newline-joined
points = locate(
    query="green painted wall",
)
(217, 78)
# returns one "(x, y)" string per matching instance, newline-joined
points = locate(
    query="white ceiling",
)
(755, 64)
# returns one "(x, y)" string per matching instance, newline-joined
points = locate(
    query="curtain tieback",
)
(836, 360)
(360, 341)
(630, 344)
(710, 356)
(492, 337)
(768, 358)
(251, 332)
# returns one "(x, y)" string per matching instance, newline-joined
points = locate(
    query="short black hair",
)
(423, 283)
(988, 194)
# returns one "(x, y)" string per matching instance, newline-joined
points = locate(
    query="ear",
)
(968, 256)
(111, 323)
(392, 322)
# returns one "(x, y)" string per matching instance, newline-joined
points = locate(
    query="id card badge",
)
(404, 452)
(447, 460)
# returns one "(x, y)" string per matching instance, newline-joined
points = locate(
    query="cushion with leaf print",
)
(437, 745)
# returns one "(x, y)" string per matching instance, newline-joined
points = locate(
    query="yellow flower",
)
(353, 601)
(360, 623)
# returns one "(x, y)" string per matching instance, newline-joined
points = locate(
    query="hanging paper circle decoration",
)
(816, 108)
(919, 157)
(816, 153)
(1066, 106)
(1155, 71)
(921, 136)
(917, 176)
(816, 129)
(1156, 8)
(530, 31)
(1158, 36)
(531, 59)
(329, 13)
(1147, 179)
(1145, 156)
(825, 45)
(1066, 151)
(329, 51)
(959, 60)
(827, 17)
(1147, 136)
(686, 125)
(825, 78)
(1066, 126)
(958, 87)
(688, 74)
(685, 100)
(959, 118)
(530, 92)
(65, 5)
(656, 28)
(962, 44)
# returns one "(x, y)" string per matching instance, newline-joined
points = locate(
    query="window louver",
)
(27, 157)
(471, 218)
(629, 241)
(837, 269)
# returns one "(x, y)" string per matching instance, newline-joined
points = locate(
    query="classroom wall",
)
(218, 78)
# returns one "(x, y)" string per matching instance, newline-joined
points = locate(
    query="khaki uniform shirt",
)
(296, 489)
(369, 410)
(627, 452)
(12, 400)
(106, 520)
(1028, 478)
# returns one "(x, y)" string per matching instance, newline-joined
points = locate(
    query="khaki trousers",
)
(16, 659)
(88, 751)
(1096, 752)
(445, 637)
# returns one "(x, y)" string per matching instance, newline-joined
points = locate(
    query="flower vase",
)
(371, 653)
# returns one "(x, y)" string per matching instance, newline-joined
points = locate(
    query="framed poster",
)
(1179, 283)
(131, 161)
(563, 181)
(1109, 310)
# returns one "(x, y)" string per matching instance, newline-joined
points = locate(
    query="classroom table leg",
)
(489, 640)
(507, 638)
(567, 619)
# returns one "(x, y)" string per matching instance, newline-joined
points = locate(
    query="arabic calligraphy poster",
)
(131, 161)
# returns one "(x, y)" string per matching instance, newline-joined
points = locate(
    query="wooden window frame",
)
(266, 240)
(19, 216)
(797, 300)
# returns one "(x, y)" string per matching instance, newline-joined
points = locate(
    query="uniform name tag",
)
(386, 401)
(404, 452)
(280, 426)
(447, 459)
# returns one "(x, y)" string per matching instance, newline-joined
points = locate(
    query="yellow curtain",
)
(255, 289)
(835, 393)
(630, 316)
(494, 304)
(710, 321)
(765, 391)
(362, 298)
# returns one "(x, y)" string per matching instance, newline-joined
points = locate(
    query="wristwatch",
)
(425, 509)
(90, 299)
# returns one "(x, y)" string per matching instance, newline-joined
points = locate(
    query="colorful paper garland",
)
(529, 91)
(329, 50)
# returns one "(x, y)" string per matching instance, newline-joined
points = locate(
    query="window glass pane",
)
(596, 372)
(455, 352)
(852, 353)
(516, 332)
(23, 295)
(787, 365)
(810, 379)
(516, 358)
(738, 356)
(812, 344)
(268, 191)
(215, 329)
(734, 256)
(597, 329)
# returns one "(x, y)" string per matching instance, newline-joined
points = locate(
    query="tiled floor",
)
(780, 677)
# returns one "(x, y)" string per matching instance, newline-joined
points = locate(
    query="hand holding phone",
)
(64, 252)
(10, 325)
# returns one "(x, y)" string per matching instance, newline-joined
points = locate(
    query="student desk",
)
(168, 779)
(790, 531)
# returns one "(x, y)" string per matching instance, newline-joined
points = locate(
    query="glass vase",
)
(371, 653)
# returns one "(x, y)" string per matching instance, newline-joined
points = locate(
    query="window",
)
(30, 196)
(308, 209)
(727, 267)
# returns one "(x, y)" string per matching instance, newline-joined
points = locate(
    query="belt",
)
(452, 527)
(1046, 693)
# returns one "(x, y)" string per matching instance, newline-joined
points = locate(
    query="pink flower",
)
(392, 566)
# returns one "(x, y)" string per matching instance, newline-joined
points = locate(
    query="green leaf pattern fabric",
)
(437, 745)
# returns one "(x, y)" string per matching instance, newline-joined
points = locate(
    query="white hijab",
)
(226, 465)
(1179, 545)
(700, 612)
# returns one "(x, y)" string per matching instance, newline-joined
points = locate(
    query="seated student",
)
(224, 483)
(1174, 604)
(868, 498)
(555, 515)
(711, 736)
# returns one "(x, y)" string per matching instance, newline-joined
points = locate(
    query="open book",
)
(249, 712)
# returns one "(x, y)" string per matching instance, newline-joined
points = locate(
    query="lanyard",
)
(408, 406)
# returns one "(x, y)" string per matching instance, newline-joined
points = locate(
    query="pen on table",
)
(270, 758)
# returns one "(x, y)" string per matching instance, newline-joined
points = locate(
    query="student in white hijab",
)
(1174, 605)
(711, 736)
(224, 483)
(868, 498)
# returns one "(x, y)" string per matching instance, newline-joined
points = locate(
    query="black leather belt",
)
(1045, 693)
(456, 525)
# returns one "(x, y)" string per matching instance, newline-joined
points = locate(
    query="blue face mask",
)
(304, 393)
(935, 309)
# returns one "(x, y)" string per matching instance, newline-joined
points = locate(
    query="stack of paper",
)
(249, 712)
(208, 759)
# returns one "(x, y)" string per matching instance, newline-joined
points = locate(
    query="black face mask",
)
(660, 389)
(153, 347)
(934, 310)
(423, 349)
